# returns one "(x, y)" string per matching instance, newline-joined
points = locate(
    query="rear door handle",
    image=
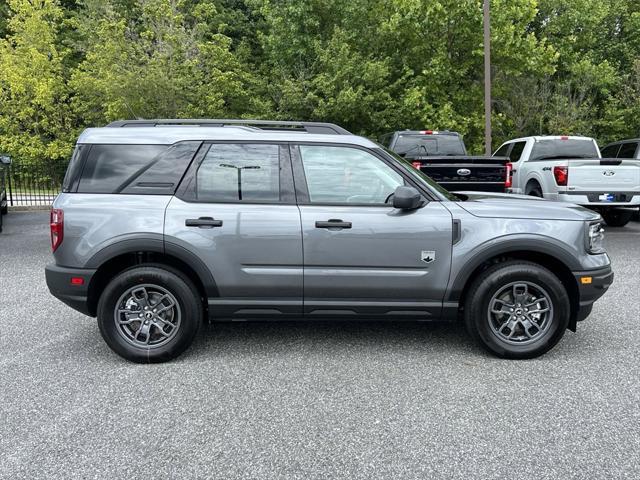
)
(203, 222)
(333, 223)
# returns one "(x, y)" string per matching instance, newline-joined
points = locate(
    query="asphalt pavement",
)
(312, 401)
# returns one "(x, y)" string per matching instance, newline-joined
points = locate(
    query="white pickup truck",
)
(571, 169)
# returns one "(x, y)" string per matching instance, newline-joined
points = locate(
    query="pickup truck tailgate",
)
(604, 175)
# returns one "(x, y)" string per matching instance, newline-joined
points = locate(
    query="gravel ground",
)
(346, 400)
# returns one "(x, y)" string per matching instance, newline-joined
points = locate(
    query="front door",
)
(361, 255)
(236, 212)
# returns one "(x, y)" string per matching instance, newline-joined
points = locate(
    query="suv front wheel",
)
(517, 309)
(149, 313)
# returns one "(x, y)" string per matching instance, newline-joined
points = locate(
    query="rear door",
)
(235, 211)
(362, 256)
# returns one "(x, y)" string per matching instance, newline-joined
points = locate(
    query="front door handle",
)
(333, 223)
(203, 222)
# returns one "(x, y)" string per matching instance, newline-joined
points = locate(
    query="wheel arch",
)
(558, 261)
(122, 255)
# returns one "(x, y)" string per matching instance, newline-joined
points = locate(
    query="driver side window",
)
(347, 175)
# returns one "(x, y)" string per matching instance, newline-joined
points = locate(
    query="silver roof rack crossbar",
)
(308, 127)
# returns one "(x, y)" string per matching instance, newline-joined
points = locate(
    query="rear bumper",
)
(74, 295)
(591, 199)
(592, 284)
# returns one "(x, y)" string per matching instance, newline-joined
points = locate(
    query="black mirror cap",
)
(407, 198)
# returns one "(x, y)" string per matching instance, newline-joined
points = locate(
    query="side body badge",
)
(428, 256)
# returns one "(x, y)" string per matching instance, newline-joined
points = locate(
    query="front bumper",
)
(75, 295)
(592, 284)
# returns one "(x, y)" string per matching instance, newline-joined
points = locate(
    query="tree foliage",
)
(558, 66)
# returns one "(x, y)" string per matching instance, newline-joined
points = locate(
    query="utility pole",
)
(487, 77)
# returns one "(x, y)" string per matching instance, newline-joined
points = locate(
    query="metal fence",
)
(34, 183)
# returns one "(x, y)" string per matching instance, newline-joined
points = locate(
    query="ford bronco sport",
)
(163, 224)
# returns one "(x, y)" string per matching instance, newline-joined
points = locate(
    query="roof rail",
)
(308, 127)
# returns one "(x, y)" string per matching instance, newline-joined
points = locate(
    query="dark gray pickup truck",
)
(443, 156)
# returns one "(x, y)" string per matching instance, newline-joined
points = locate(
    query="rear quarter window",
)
(135, 169)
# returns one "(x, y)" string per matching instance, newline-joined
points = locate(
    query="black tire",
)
(534, 189)
(617, 218)
(480, 323)
(159, 278)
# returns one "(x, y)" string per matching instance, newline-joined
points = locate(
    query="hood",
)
(504, 205)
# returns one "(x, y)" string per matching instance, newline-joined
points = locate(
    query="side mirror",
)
(407, 198)
(5, 159)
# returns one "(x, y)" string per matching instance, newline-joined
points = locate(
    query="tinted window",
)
(162, 175)
(109, 168)
(516, 151)
(628, 150)
(611, 151)
(555, 148)
(239, 172)
(74, 167)
(502, 151)
(413, 145)
(347, 175)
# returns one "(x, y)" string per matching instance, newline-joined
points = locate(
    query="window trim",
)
(186, 191)
(300, 179)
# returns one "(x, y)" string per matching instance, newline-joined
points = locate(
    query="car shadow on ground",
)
(331, 336)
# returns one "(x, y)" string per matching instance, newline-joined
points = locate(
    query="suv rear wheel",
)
(149, 313)
(517, 309)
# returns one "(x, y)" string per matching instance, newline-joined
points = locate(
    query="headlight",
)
(595, 238)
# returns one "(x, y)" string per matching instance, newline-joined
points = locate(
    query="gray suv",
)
(164, 224)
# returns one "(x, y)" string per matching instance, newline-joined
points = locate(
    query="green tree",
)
(35, 119)
(167, 63)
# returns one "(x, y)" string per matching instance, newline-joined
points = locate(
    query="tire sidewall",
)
(497, 278)
(617, 219)
(184, 293)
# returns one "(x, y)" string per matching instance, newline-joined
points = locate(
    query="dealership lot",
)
(295, 400)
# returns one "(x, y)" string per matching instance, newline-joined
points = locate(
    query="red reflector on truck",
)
(77, 281)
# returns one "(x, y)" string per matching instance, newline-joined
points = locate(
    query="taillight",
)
(416, 165)
(508, 180)
(561, 175)
(57, 228)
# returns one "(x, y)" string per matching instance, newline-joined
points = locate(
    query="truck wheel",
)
(149, 313)
(517, 309)
(534, 189)
(617, 218)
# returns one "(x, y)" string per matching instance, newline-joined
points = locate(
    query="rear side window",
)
(73, 170)
(611, 151)
(110, 168)
(502, 151)
(516, 151)
(239, 173)
(628, 150)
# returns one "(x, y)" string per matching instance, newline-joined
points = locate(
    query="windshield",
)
(570, 148)
(412, 144)
(421, 177)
